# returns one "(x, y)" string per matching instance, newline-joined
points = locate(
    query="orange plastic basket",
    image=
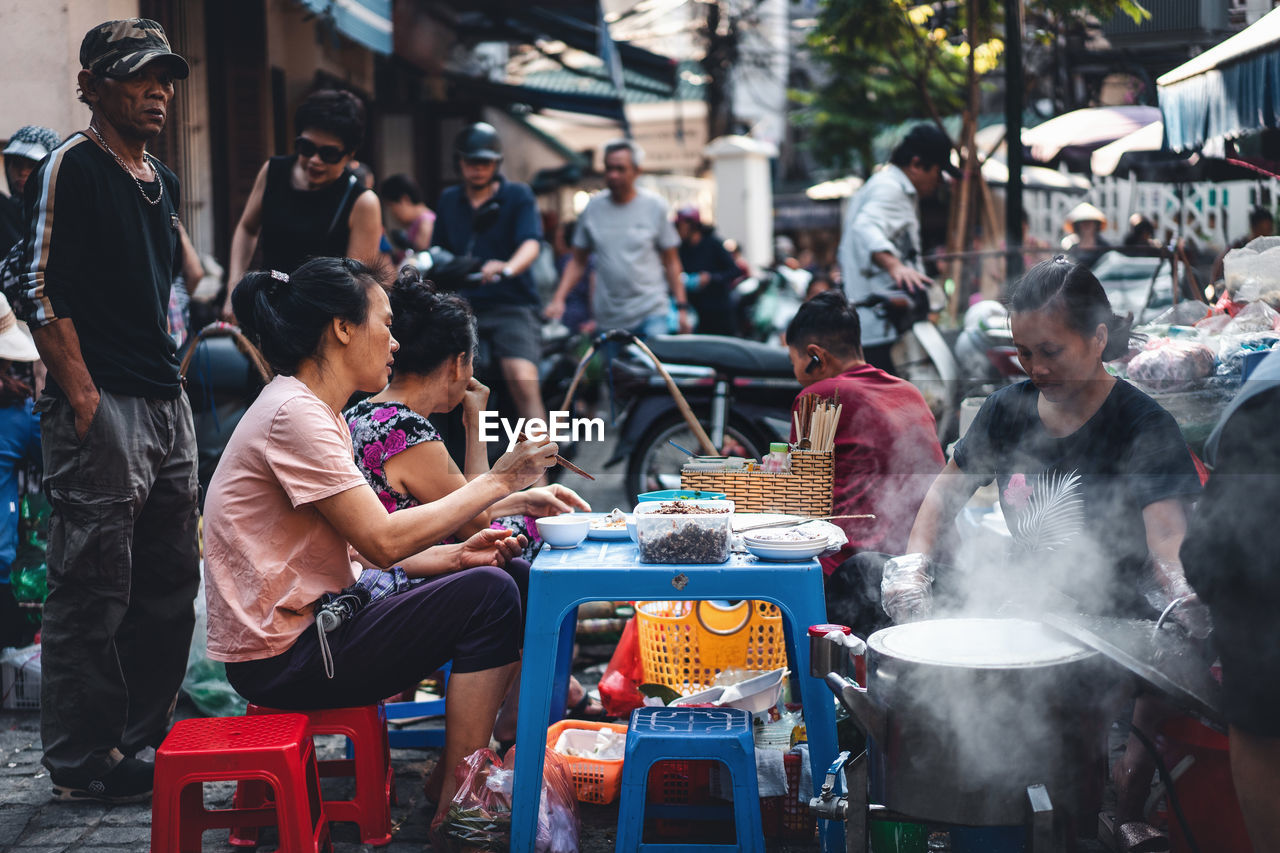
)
(594, 780)
(686, 644)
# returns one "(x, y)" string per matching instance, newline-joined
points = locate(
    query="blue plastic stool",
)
(417, 738)
(722, 734)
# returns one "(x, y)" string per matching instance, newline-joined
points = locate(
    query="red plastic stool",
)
(370, 806)
(277, 751)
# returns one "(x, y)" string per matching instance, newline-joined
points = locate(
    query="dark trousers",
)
(471, 617)
(123, 572)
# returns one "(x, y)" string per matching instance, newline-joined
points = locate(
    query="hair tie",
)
(280, 276)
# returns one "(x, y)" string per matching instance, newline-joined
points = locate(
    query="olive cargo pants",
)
(123, 572)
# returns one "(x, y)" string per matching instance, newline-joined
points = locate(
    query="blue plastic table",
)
(611, 571)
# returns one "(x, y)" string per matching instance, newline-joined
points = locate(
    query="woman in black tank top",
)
(308, 204)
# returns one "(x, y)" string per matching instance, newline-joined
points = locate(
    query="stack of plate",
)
(784, 545)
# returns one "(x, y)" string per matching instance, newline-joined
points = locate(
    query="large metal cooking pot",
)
(967, 713)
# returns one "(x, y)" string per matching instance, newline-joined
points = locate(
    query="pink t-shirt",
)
(268, 552)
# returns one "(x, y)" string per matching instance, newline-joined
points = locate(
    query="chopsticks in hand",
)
(561, 460)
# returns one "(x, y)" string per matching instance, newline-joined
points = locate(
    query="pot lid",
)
(981, 643)
(1167, 660)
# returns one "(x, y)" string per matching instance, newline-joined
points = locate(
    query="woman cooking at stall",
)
(1093, 476)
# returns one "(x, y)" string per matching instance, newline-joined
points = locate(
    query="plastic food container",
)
(695, 536)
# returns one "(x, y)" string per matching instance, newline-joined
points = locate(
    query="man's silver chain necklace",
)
(146, 157)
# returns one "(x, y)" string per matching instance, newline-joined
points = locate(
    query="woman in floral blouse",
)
(399, 451)
(401, 454)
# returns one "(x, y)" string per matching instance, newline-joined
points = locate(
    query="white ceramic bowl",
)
(564, 531)
(631, 527)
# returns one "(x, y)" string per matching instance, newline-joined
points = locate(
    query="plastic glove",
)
(1190, 612)
(691, 281)
(906, 588)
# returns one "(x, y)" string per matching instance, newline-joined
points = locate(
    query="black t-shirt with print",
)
(1074, 503)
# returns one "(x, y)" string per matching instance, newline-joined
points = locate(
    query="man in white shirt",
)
(880, 249)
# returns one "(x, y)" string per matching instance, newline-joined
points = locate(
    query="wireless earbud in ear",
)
(814, 364)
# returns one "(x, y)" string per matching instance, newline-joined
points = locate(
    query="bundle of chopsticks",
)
(815, 421)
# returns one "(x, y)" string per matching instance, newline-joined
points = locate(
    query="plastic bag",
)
(906, 588)
(619, 693)
(1168, 364)
(480, 813)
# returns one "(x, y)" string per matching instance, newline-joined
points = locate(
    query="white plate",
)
(786, 555)
(608, 534)
(604, 534)
(784, 543)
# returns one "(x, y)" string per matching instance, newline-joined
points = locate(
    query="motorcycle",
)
(921, 355)
(741, 392)
(556, 360)
(985, 353)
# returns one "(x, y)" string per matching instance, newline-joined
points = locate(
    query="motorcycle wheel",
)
(654, 464)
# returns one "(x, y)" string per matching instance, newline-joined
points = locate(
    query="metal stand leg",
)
(849, 805)
(1042, 837)
(856, 838)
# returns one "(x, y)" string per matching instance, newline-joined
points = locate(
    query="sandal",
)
(1138, 837)
(581, 710)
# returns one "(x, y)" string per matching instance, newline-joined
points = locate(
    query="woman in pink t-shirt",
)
(287, 499)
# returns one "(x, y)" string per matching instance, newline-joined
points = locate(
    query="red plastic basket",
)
(594, 780)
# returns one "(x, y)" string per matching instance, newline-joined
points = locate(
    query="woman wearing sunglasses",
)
(308, 204)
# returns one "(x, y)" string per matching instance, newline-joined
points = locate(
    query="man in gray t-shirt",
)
(635, 247)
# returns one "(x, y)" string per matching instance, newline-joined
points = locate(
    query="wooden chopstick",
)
(562, 461)
(797, 521)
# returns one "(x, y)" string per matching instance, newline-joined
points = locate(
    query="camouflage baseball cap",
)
(121, 48)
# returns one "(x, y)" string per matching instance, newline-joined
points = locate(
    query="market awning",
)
(1106, 159)
(366, 22)
(996, 173)
(504, 94)
(1074, 136)
(1142, 155)
(1225, 92)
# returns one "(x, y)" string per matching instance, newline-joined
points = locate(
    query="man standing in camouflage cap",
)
(99, 254)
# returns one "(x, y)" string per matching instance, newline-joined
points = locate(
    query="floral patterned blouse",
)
(380, 431)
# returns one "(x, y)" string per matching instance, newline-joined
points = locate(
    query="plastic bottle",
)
(778, 460)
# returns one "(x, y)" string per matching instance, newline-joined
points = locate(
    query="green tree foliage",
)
(887, 61)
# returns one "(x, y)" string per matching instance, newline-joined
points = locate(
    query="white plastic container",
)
(666, 537)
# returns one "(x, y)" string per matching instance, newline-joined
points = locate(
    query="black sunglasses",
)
(307, 149)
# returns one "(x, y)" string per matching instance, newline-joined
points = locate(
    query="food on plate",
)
(793, 535)
(616, 520)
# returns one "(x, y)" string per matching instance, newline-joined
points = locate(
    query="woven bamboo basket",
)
(805, 491)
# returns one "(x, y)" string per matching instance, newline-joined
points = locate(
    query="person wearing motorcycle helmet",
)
(880, 249)
(27, 147)
(495, 220)
(310, 204)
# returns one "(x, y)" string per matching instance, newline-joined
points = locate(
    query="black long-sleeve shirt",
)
(95, 252)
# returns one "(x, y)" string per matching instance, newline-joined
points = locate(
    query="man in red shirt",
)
(886, 448)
